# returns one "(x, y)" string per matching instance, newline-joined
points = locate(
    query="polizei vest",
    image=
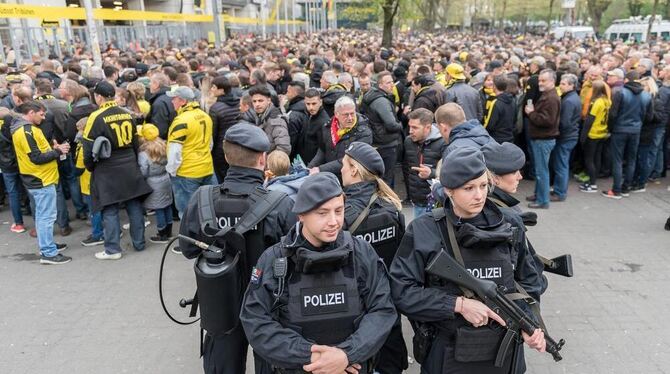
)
(323, 306)
(383, 230)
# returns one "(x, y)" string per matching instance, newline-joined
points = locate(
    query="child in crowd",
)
(96, 237)
(280, 175)
(152, 160)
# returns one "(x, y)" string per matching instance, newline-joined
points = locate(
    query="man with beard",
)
(269, 118)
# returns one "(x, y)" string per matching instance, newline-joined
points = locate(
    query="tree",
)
(635, 7)
(390, 8)
(652, 19)
(596, 9)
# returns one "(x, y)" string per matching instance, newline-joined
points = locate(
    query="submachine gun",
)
(446, 267)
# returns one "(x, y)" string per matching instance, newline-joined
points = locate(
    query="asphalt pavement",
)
(92, 316)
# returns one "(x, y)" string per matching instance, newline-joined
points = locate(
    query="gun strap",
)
(498, 202)
(441, 220)
(545, 261)
(505, 345)
(521, 294)
(364, 214)
(206, 212)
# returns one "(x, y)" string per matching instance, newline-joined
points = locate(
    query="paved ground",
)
(105, 317)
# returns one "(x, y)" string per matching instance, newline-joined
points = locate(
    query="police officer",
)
(505, 162)
(465, 332)
(318, 301)
(245, 148)
(373, 212)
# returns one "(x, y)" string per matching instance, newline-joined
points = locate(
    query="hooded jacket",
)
(429, 98)
(296, 116)
(630, 108)
(162, 112)
(332, 94)
(307, 143)
(467, 134)
(8, 163)
(661, 117)
(378, 106)
(428, 152)
(288, 184)
(501, 122)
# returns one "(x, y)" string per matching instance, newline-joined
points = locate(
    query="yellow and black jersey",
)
(36, 158)
(114, 123)
(192, 128)
(85, 177)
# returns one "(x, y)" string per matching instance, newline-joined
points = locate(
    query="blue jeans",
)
(96, 218)
(561, 157)
(112, 226)
(163, 217)
(184, 188)
(647, 155)
(70, 183)
(541, 152)
(13, 187)
(624, 147)
(419, 211)
(45, 216)
(659, 165)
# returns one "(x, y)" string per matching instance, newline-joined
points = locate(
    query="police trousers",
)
(441, 360)
(392, 357)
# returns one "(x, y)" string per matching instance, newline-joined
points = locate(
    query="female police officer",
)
(318, 301)
(466, 332)
(373, 213)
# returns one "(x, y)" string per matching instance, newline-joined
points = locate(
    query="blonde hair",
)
(155, 149)
(278, 163)
(649, 85)
(383, 190)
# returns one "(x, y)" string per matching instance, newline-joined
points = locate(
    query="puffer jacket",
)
(329, 156)
(288, 184)
(332, 94)
(378, 107)
(159, 181)
(502, 120)
(162, 112)
(571, 114)
(428, 152)
(429, 98)
(225, 112)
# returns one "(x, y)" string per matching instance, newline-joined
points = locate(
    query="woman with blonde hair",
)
(373, 212)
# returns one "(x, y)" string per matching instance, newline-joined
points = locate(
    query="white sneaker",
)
(106, 256)
(126, 226)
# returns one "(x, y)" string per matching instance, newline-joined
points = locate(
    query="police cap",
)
(462, 165)
(248, 136)
(367, 156)
(503, 158)
(316, 190)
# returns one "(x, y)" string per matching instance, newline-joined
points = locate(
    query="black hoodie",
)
(225, 112)
(501, 122)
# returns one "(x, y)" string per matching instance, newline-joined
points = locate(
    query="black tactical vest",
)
(383, 230)
(323, 307)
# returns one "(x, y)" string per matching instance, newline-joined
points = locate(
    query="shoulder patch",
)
(256, 275)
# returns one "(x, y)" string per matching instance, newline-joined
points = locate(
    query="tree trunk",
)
(502, 15)
(651, 20)
(551, 8)
(390, 8)
(596, 9)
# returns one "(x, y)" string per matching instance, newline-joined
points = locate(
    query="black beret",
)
(141, 68)
(316, 190)
(503, 158)
(248, 136)
(105, 89)
(367, 156)
(462, 165)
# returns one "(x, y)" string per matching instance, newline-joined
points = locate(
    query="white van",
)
(576, 32)
(635, 29)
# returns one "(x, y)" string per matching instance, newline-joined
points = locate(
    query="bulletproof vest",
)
(383, 230)
(323, 304)
(229, 208)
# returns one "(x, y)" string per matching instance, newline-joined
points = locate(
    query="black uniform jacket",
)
(284, 347)
(238, 181)
(420, 245)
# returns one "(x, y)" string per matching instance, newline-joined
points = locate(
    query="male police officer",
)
(245, 148)
(319, 301)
